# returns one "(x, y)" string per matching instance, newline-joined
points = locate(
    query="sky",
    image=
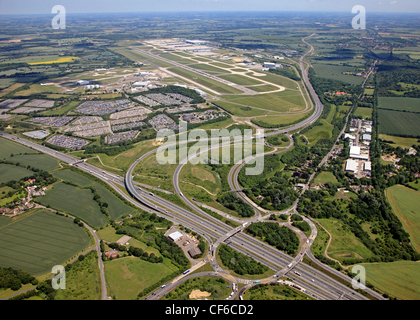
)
(89, 6)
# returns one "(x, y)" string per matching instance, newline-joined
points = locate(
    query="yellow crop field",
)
(60, 60)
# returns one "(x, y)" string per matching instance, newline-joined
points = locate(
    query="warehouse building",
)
(351, 166)
(367, 137)
(175, 236)
(269, 65)
(368, 166)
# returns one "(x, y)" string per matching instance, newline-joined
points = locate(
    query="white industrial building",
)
(196, 42)
(350, 136)
(367, 137)
(141, 83)
(269, 65)
(351, 166)
(368, 129)
(175, 236)
(82, 82)
(355, 153)
(368, 166)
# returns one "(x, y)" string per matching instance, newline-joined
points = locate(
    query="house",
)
(111, 254)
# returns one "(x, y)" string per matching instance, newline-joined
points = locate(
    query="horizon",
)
(31, 7)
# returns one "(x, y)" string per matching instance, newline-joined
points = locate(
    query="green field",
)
(264, 88)
(280, 120)
(335, 73)
(39, 161)
(405, 203)
(68, 175)
(400, 279)
(127, 277)
(399, 104)
(10, 172)
(8, 147)
(399, 123)
(241, 80)
(365, 113)
(116, 207)
(83, 281)
(344, 243)
(78, 202)
(400, 141)
(325, 177)
(215, 286)
(274, 292)
(40, 241)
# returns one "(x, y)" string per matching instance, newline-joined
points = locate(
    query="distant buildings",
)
(367, 137)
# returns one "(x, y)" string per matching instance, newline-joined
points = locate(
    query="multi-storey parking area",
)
(67, 142)
(103, 107)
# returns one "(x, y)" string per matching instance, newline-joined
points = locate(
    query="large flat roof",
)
(351, 165)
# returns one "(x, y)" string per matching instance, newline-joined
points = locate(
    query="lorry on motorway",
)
(257, 281)
(187, 271)
(290, 265)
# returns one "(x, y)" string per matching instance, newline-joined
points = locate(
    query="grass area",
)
(39, 161)
(399, 123)
(152, 173)
(76, 201)
(405, 203)
(365, 113)
(240, 110)
(241, 80)
(116, 207)
(62, 110)
(213, 288)
(264, 88)
(205, 81)
(280, 120)
(400, 141)
(344, 243)
(400, 279)
(325, 177)
(208, 68)
(40, 241)
(10, 172)
(8, 148)
(83, 280)
(399, 104)
(126, 277)
(274, 292)
(68, 175)
(38, 89)
(278, 140)
(5, 221)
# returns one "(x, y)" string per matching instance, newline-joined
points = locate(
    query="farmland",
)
(336, 73)
(399, 123)
(126, 277)
(40, 241)
(8, 148)
(10, 172)
(364, 113)
(76, 201)
(399, 104)
(405, 203)
(400, 279)
(39, 161)
(325, 177)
